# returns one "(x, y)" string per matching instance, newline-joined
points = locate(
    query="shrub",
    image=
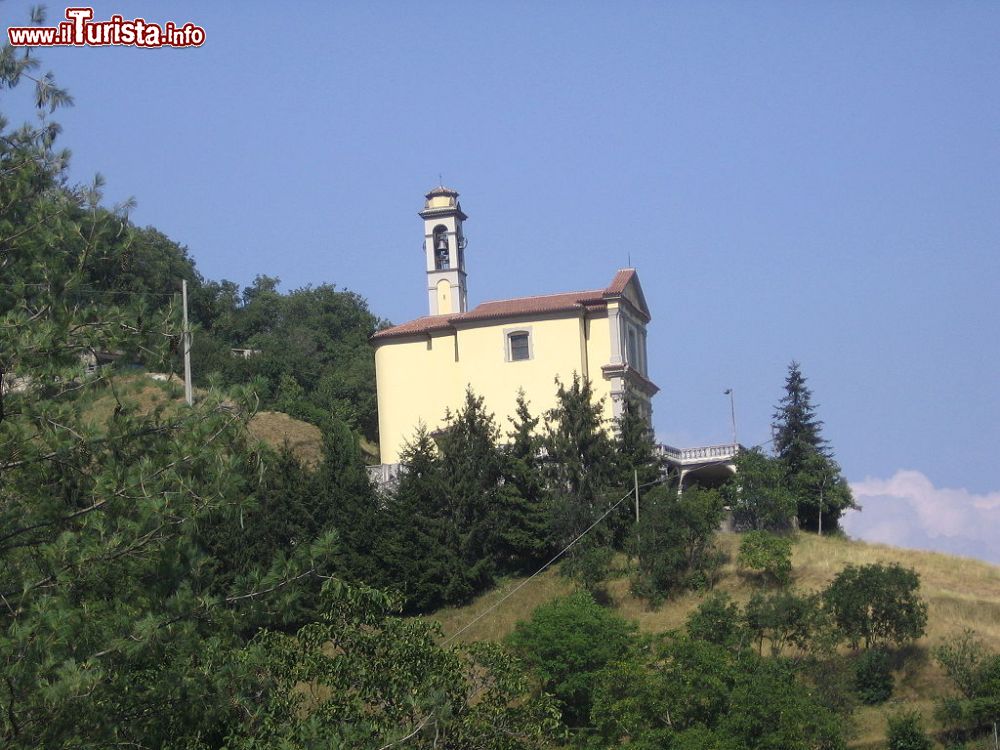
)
(906, 733)
(873, 677)
(767, 553)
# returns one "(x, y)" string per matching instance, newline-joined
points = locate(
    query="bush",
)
(716, 620)
(906, 733)
(767, 553)
(873, 677)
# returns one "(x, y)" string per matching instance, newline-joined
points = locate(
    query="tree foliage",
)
(877, 604)
(769, 554)
(676, 540)
(758, 493)
(567, 642)
(820, 491)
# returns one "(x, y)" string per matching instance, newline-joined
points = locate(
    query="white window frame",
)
(508, 334)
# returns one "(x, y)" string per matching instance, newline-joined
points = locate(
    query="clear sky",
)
(793, 180)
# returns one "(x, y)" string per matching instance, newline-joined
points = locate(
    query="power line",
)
(538, 572)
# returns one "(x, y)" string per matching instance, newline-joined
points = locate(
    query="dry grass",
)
(961, 593)
(137, 391)
(278, 430)
(146, 395)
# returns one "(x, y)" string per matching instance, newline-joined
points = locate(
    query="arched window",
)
(442, 259)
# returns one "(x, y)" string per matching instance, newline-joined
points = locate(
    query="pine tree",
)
(524, 512)
(418, 552)
(583, 473)
(796, 427)
(811, 474)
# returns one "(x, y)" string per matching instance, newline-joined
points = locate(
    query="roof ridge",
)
(539, 296)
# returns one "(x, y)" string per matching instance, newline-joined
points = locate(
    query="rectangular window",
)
(519, 347)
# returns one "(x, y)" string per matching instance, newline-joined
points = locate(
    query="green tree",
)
(567, 642)
(581, 472)
(718, 619)
(677, 540)
(975, 672)
(525, 515)
(372, 680)
(906, 733)
(419, 550)
(877, 604)
(635, 445)
(821, 493)
(116, 612)
(758, 494)
(786, 618)
(873, 676)
(767, 553)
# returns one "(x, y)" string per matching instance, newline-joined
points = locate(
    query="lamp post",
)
(732, 411)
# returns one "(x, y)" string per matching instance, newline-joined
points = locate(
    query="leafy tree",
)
(975, 672)
(567, 642)
(690, 693)
(877, 604)
(785, 618)
(767, 710)
(116, 612)
(821, 493)
(717, 619)
(768, 553)
(758, 494)
(373, 680)
(906, 733)
(677, 540)
(873, 676)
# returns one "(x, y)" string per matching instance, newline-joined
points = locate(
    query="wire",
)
(538, 572)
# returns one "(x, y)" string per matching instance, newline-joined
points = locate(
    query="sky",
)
(793, 180)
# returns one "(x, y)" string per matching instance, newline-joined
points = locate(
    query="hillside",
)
(961, 593)
(272, 428)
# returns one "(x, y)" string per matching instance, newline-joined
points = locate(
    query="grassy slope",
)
(961, 593)
(272, 428)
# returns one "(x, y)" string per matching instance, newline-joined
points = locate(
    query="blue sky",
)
(810, 181)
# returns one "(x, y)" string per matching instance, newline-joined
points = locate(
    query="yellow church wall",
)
(415, 382)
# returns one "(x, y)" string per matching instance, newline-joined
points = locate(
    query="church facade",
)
(498, 348)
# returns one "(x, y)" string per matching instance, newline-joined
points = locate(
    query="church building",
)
(497, 348)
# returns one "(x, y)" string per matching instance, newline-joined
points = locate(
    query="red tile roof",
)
(593, 299)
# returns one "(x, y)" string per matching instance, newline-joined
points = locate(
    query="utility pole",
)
(638, 540)
(188, 393)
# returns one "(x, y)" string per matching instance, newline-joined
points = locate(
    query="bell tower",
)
(444, 249)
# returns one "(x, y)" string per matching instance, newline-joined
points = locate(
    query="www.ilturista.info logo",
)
(79, 30)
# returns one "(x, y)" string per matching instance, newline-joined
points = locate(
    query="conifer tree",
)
(811, 474)
(418, 553)
(524, 513)
(635, 444)
(582, 470)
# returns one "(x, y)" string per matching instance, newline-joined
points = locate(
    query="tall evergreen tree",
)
(583, 476)
(418, 552)
(811, 474)
(525, 512)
